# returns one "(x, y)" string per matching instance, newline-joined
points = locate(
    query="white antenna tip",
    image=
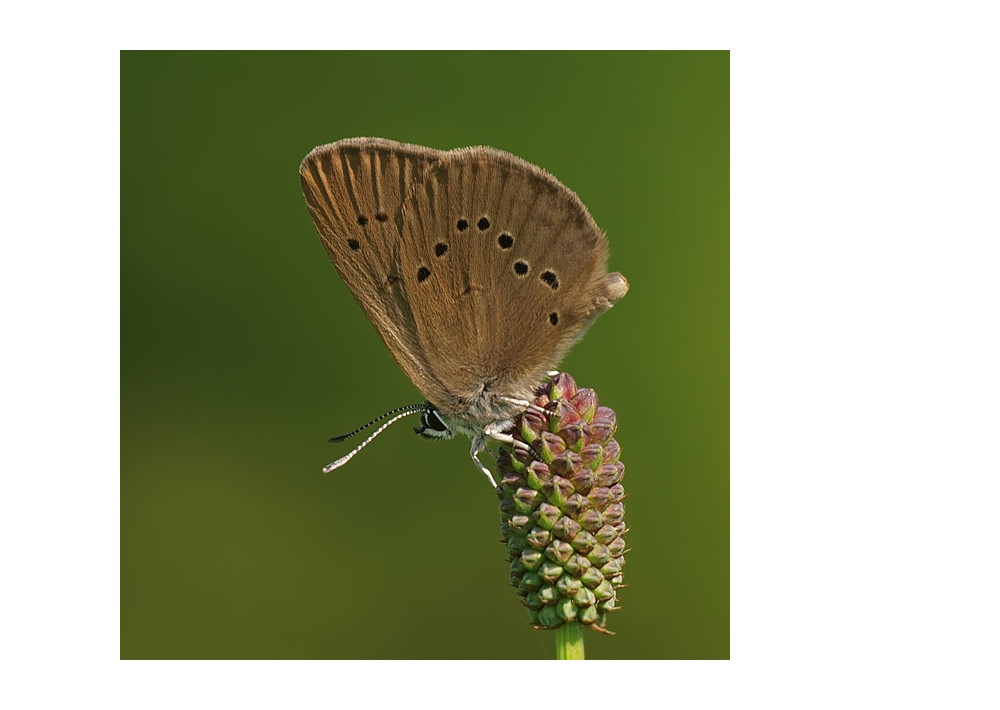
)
(336, 464)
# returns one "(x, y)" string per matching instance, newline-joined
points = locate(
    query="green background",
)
(242, 351)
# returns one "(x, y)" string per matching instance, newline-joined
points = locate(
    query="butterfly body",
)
(478, 270)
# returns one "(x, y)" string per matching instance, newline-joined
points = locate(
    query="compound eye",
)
(432, 420)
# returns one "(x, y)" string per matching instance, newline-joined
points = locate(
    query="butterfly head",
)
(435, 425)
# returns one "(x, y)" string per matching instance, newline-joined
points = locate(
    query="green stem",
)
(569, 642)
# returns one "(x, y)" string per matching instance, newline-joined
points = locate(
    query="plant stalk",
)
(569, 642)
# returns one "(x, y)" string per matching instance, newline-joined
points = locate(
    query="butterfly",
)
(478, 269)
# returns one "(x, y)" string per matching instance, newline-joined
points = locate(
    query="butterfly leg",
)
(496, 431)
(525, 404)
(478, 444)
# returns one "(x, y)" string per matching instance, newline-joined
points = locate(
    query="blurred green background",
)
(242, 351)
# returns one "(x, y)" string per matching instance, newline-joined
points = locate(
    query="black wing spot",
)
(440, 249)
(549, 277)
(505, 241)
(483, 224)
(362, 220)
(520, 268)
(554, 318)
(353, 244)
(422, 273)
(462, 225)
(381, 217)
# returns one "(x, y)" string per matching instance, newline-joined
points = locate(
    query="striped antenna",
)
(376, 420)
(344, 459)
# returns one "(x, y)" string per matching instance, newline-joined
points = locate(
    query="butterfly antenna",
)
(376, 420)
(344, 459)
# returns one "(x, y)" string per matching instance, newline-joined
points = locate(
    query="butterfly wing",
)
(503, 268)
(354, 190)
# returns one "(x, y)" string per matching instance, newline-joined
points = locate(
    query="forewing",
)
(355, 189)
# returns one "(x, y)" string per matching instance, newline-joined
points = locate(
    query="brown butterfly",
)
(478, 270)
